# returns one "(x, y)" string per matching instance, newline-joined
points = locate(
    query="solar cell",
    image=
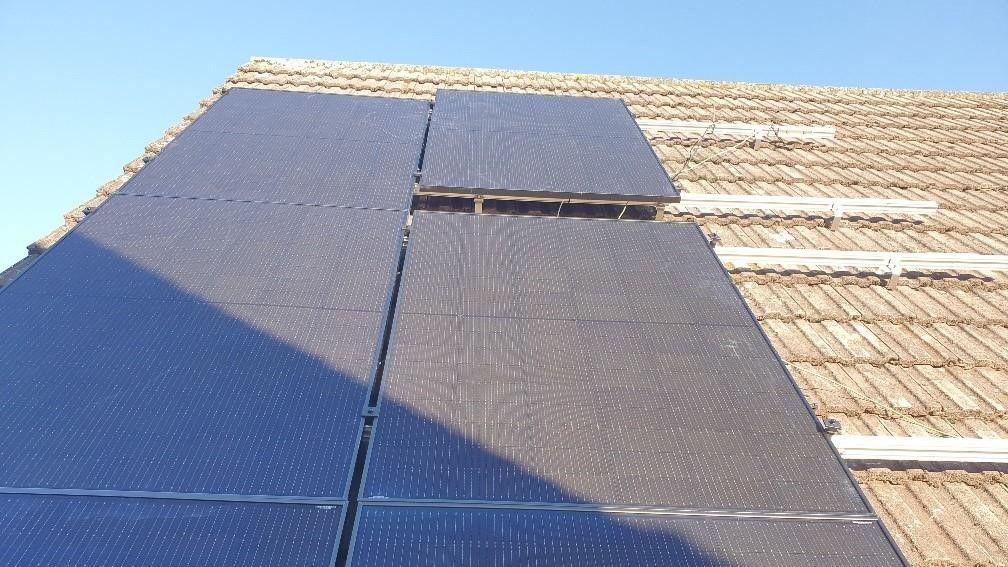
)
(217, 251)
(376, 173)
(679, 404)
(394, 535)
(182, 396)
(540, 146)
(126, 532)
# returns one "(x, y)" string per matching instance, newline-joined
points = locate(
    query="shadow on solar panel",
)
(168, 390)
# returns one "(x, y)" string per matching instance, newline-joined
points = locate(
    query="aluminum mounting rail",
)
(837, 207)
(931, 449)
(810, 133)
(893, 263)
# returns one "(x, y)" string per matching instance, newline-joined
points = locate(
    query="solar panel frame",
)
(670, 357)
(566, 537)
(105, 531)
(477, 146)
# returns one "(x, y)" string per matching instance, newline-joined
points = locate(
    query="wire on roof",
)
(686, 167)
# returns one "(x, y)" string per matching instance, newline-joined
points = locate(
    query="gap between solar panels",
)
(540, 148)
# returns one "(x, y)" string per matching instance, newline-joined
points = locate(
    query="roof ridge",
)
(650, 79)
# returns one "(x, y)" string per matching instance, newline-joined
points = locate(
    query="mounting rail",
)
(926, 449)
(789, 132)
(892, 263)
(837, 207)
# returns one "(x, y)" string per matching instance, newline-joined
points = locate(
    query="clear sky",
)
(85, 85)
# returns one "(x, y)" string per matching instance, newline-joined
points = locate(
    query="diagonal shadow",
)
(107, 389)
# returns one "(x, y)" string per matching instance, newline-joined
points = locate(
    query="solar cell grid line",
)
(125, 532)
(505, 409)
(429, 535)
(546, 147)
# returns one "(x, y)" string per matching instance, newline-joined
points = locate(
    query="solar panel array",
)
(185, 372)
(541, 365)
(518, 145)
(189, 374)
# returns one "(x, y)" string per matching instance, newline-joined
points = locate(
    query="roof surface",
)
(928, 357)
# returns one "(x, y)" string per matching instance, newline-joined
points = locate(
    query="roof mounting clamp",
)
(832, 426)
(370, 412)
(713, 239)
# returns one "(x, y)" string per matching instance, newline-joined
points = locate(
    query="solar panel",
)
(315, 115)
(404, 535)
(288, 147)
(125, 532)
(318, 171)
(217, 251)
(565, 268)
(182, 396)
(540, 146)
(681, 406)
(196, 346)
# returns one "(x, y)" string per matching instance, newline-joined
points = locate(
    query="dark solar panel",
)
(216, 251)
(127, 532)
(391, 535)
(375, 173)
(182, 396)
(604, 407)
(530, 145)
(567, 268)
(315, 115)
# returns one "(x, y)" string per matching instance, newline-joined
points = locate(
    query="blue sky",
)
(86, 85)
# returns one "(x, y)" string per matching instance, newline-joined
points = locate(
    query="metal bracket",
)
(832, 425)
(895, 267)
(838, 212)
(370, 412)
(478, 204)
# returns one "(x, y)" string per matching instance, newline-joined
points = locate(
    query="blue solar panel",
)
(489, 394)
(543, 146)
(182, 396)
(546, 268)
(392, 535)
(260, 145)
(315, 115)
(215, 251)
(318, 171)
(40, 530)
